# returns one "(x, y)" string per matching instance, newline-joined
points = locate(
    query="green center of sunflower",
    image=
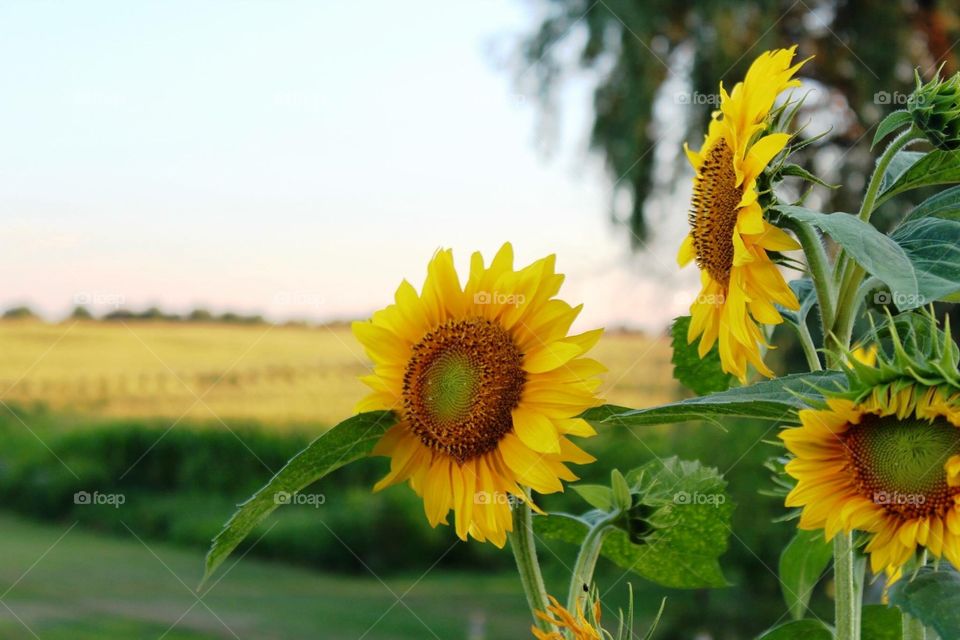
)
(899, 463)
(713, 212)
(461, 384)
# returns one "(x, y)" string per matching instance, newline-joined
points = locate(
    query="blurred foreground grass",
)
(275, 375)
(87, 587)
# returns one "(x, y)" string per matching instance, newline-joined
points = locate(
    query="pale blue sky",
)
(294, 158)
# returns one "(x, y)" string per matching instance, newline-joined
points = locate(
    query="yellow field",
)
(277, 375)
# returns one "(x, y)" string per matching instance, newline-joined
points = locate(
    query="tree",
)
(19, 313)
(642, 49)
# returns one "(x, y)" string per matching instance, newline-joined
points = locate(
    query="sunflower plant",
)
(482, 399)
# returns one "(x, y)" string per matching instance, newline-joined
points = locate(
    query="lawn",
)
(73, 584)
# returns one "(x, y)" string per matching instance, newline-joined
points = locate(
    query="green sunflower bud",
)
(935, 108)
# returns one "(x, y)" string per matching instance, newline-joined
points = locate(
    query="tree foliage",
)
(865, 52)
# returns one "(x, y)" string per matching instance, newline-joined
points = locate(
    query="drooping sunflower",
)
(884, 458)
(487, 386)
(729, 237)
(577, 627)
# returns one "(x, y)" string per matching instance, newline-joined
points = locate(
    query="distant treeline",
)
(80, 312)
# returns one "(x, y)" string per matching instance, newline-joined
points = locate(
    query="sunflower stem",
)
(586, 563)
(819, 266)
(525, 553)
(848, 587)
(809, 348)
(876, 179)
(850, 273)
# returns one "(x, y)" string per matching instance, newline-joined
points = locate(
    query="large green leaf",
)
(933, 597)
(933, 246)
(772, 400)
(879, 622)
(674, 535)
(700, 375)
(799, 630)
(801, 564)
(347, 442)
(916, 170)
(876, 253)
(945, 204)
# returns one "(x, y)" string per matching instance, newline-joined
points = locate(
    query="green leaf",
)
(879, 622)
(920, 170)
(675, 534)
(596, 495)
(797, 171)
(773, 400)
(945, 204)
(894, 121)
(621, 491)
(933, 597)
(806, 295)
(799, 630)
(898, 167)
(933, 246)
(347, 442)
(700, 375)
(876, 253)
(801, 565)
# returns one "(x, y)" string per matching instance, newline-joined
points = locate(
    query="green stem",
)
(850, 273)
(876, 179)
(848, 588)
(847, 307)
(525, 553)
(913, 629)
(809, 349)
(819, 266)
(582, 575)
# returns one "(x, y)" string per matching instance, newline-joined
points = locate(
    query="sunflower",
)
(487, 386)
(888, 464)
(577, 627)
(729, 237)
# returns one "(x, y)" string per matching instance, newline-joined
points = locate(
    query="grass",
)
(71, 584)
(275, 375)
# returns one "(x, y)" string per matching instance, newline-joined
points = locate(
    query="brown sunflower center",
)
(713, 213)
(898, 464)
(460, 386)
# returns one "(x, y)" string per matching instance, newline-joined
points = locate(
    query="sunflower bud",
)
(935, 108)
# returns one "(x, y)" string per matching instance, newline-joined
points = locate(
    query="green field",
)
(129, 421)
(69, 584)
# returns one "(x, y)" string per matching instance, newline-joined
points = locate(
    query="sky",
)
(296, 159)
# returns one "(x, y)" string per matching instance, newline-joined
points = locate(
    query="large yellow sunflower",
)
(729, 237)
(576, 627)
(888, 465)
(487, 386)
